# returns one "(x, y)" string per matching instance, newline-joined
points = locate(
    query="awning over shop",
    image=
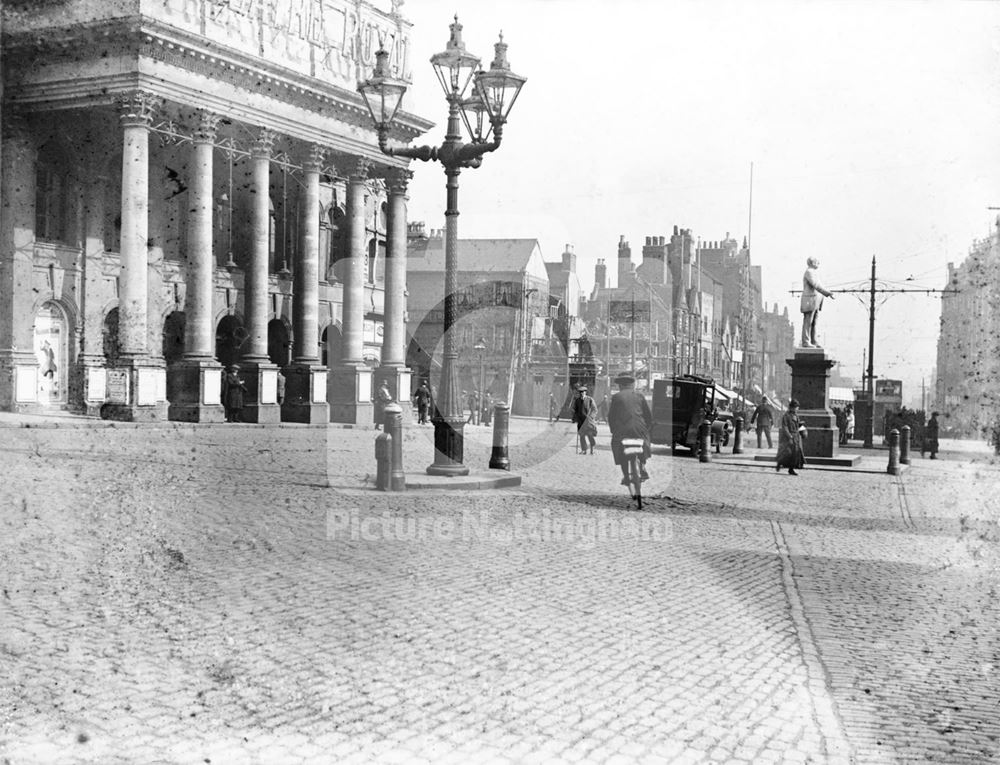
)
(730, 394)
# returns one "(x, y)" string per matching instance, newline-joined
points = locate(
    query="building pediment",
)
(73, 54)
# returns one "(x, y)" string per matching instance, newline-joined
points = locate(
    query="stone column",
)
(137, 388)
(194, 382)
(306, 378)
(91, 359)
(260, 375)
(350, 392)
(393, 367)
(18, 365)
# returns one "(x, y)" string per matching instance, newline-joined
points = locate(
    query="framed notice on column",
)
(212, 387)
(26, 383)
(318, 387)
(117, 388)
(269, 386)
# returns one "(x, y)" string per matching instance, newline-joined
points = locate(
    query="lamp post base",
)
(449, 447)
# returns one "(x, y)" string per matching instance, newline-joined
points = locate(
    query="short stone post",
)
(704, 441)
(501, 425)
(904, 445)
(738, 436)
(393, 426)
(893, 467)
(383, 447)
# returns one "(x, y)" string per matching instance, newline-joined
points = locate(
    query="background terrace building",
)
(503, 304)
(187, 184)
(968, 354)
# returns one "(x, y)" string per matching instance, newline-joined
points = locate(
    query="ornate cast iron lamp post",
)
(484, 115)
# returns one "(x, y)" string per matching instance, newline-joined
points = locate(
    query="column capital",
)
(397, 180)
(137, 107)
(361, 169)
(207, 128)
(16, 126)
(314, 162)
(264, 144)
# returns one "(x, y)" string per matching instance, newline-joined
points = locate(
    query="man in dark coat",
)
(232, 394)
(629, 417)
(585, 417)
(763, 416)
(423, 400)
(931, 437)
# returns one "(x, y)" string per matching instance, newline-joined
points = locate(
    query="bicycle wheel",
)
(636, 480)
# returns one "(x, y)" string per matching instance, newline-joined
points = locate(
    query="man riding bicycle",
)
(629, 417)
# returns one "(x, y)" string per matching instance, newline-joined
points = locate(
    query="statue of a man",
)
(812, 300)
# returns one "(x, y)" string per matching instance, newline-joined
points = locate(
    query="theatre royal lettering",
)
(316, 37)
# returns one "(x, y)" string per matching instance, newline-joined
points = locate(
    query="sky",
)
(873, 129)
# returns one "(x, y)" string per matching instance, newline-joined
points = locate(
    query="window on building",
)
(51, 195)
(370, 261)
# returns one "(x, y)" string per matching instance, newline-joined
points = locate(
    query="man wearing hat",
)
(763, 416)
(232, 394)
(629, 417)
(585, 417)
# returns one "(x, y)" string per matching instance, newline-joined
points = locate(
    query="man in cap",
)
(763, 416)
(812, 300)
(629, 417)
(585, 417)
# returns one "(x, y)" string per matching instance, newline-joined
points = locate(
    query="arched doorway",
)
(112, 345)
(173, 337)
(332, 345)
(229, 338)
(51, 350)
(278, 345)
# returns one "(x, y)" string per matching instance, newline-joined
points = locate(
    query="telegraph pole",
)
(870, 433)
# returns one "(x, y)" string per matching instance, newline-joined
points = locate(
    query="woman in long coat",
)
(790, 453)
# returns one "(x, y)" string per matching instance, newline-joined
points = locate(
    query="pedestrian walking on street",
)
(763, 416)
(473, 404)
(629, 417)
(930, 442)
(487, 417)
(585, 417)
(602, 408)
(232, 394)
(849, 427)
(423, 400)
(553, 410)
(382, 398)
(790, 435)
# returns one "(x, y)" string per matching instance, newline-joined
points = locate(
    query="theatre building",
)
(191, 184)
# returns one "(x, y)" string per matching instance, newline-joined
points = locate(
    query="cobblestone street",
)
(191, 594)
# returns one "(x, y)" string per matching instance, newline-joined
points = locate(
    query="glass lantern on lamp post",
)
(483, 114)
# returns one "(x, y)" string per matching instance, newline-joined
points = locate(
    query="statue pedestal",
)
(810, 386)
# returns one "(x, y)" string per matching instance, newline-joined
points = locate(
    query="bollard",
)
(893, 468)
(738, 436)
(383, 446)
(501, 424)
(704, 441)
(392, 424)
(904, 445)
